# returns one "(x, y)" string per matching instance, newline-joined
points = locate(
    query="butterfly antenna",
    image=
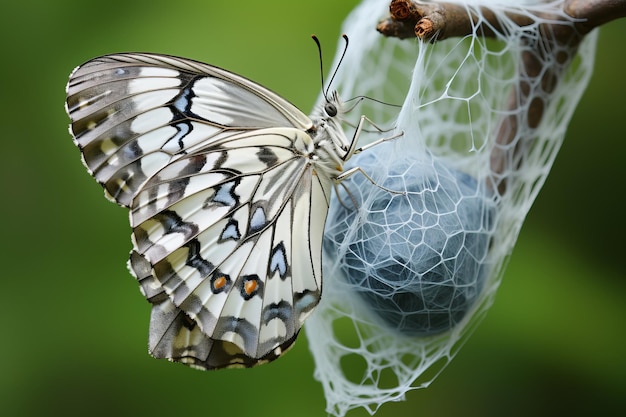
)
(319, 49)
(345, 49)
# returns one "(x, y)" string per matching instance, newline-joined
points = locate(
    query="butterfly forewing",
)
(132, 114)
(226, 201)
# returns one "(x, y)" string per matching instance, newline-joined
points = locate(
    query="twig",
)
(437, 21)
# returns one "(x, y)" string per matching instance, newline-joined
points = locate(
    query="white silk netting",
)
(408, 276)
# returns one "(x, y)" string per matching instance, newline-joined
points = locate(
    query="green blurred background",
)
(74, 325)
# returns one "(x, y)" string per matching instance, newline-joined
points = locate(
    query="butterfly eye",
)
(330, 109)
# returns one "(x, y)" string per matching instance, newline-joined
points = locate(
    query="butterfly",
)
(228, 187)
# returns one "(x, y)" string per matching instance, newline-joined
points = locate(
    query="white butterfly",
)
(228, 187)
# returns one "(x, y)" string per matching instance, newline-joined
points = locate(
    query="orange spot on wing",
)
(219, 283)
(250, 286)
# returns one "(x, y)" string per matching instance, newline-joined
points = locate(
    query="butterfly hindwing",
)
(224, 249)
(175, 336)
(226, 207)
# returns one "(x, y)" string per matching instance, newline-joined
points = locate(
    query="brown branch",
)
(594, 12)
(438, 21)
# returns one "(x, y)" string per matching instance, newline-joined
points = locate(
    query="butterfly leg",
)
(352, 171)
(355, 150)
(378, 142)
(360, 128)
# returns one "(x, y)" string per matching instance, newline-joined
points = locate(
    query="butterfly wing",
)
(226, 246)
(235, 245)
(133, 114)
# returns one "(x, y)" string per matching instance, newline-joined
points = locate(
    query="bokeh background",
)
(73, 325)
